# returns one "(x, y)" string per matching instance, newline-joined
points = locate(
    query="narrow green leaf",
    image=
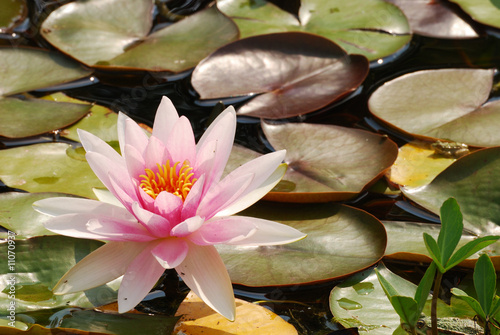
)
(433, 249)
(470, 248)
(473, 303)
(424, 287)
(389, 290)
(495, 307)
(485, 281)
(406, 308)
(451, 229)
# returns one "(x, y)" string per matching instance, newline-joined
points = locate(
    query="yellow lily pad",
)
(417, 165)
(198, 318)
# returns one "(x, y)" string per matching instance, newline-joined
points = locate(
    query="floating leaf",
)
(294, 73)
(23, 118)
(484, 11)
(27, 69)
(101, 121)
(36, 273)
(379, 30)
(472, 181)
(59, 168)
(124, 41)
(341, 240)
(199, 319)
(12, 14)
(417, 164)
(451, 108)
(376, 315)
(434, 18)
(18, 215)
(329, 162)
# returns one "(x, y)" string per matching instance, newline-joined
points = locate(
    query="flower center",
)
(173, 179)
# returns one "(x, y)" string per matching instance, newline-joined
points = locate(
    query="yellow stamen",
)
(170, 179)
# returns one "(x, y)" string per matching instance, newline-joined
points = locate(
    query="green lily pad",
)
(101, 121)
(405, 243)
(371, 28)
(472, 180)
(340, 240)
(23, 118)
(59, 168)
(484, 11)
(27, 69)
(435, 19)
(124, 41)
(18, 215)
(12, 14)
(34, 274)
(294, 73)
(369, 308)
(452, 109)
(327, 162)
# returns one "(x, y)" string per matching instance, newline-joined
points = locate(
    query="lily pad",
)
(199, 319)
(484, 11)
(417, 164)
(59, 168)
(18, 215)
(405, 242)
(361, 302)
(36, 273)
(473, 181)
(124, 41)
(378, 30)
(27, 69)
(23, 118)
(326, 162)
(434, 18)
(452, 108)
(294, 73)
(12, 14)
(341, 240)
(101, 121)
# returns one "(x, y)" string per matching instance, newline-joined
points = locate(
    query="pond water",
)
(139, 93)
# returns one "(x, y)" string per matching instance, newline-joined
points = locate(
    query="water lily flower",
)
(167, 208)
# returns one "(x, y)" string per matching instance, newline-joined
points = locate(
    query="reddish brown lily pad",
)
(293, 73)
(328, 163)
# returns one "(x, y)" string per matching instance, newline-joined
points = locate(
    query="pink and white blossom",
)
(167, 208)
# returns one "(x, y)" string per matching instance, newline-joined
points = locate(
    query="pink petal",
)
(165, 119)
(221, 131)
(169, 206)
(135, 162)
(124, 190)
(193, 199)
(187, 226)
(180, 142)
(221, 195)
(101, 266)
(156, 153)
(266, 232)
(135, 136)
(204, 272)
(223, 230)
(92, 143)
(60, 206)
(156, 224)
(140, 277)
(205, 161)
(97, 227)
(171, 252)
(120, 126)
(252, 197)
(103, 167)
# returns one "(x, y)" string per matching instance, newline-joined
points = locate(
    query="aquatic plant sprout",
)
(167, 208)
